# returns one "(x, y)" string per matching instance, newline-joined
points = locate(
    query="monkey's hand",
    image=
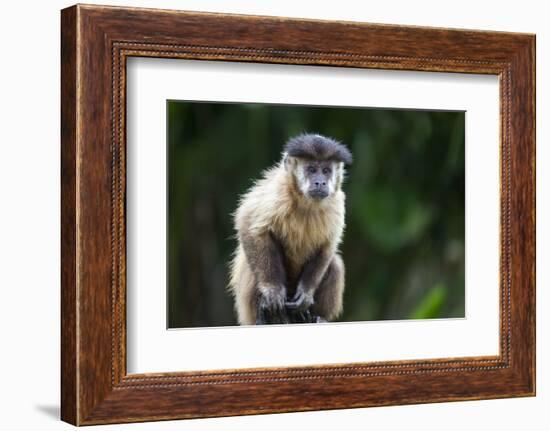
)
(271, 305)
(301, 301)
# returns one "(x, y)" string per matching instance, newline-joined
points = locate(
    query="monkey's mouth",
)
(318, 194)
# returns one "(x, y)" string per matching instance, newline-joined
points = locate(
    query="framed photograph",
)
(263, 214)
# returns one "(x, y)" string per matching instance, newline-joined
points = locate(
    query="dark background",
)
(403, 246)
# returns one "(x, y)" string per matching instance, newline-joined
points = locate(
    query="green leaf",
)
(431, 306)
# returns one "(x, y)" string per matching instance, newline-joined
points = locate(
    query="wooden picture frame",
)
(95, 43)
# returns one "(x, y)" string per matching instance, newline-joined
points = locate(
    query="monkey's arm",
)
(310, 278)
(265, 257)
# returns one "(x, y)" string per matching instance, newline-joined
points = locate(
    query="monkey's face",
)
(317, 179)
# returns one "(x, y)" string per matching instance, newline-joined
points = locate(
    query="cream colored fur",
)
(277, 203)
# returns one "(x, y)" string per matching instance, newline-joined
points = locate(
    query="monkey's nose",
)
(318, 183)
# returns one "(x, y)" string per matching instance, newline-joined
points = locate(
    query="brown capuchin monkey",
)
(286, 268)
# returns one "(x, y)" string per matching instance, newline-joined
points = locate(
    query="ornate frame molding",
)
(96, 41)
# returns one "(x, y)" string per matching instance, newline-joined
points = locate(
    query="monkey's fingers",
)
(262, 317)
(268, 315)
(299, 302)
(282, 318)
(295, 302)
(301, 317)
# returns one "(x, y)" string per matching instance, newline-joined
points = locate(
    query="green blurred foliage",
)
(403, 246)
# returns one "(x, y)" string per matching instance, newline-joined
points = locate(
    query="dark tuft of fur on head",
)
(318, 147)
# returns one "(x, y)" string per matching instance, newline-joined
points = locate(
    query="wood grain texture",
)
(69, 366)
(96, 41)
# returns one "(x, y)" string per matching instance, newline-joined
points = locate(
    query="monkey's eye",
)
(326, 171)
(312, 169)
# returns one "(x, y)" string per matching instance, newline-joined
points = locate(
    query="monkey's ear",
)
(288, 162)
